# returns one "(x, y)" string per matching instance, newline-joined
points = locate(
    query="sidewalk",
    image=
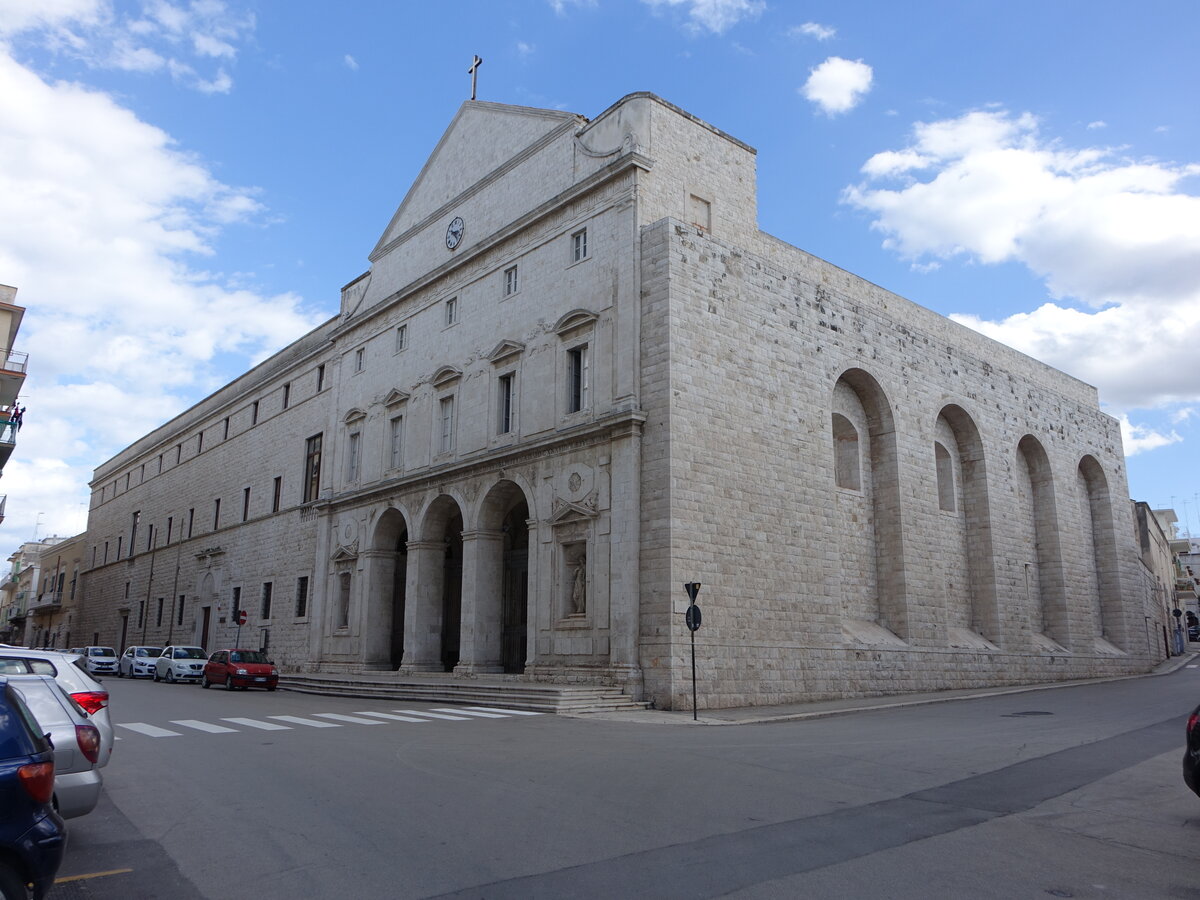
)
(789, 712)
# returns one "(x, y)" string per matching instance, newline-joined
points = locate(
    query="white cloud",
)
(838, 85)
(525, 50)
(1116, 240)
(1140, 438)
(351, 62)
(813, 30)
(24, 15)
(715, 16)
(123, 328)
(1097, 124)
(560, 6)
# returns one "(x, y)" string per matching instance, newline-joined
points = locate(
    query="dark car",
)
(1191, 756)
(240, 669)
(32, 835)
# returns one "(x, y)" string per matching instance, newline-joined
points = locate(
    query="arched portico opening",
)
(433, 589)
(452, 569)
(514, 581)
(387, 570)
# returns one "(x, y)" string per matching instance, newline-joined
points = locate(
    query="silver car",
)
(76, 740)
(138, 662)
(67, 669)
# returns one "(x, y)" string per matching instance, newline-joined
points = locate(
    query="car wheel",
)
(155, 675)
(170, 676)
(204, 682)
(11, 887)
(229, 683)
(120, 674)
(271, 688)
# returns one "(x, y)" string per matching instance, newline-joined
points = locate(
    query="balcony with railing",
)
(13, 366)
(9, 427)
(48, 602)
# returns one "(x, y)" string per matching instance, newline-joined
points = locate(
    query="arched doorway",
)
(515, 590)
(452, 591)
(399, 581)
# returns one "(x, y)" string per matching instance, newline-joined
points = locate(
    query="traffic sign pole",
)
(692, 620)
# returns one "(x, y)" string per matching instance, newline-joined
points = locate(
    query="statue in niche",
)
(579, 585)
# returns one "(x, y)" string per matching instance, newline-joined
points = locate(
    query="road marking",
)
(204, 726)
(354, 720)
(311, 723)
(255, 723)
(507, 712)
(433, 715)
(67, 878)
(474, 712)
(149, 730)
(391, 716)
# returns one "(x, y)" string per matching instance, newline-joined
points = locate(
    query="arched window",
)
(945, 477)
(845, 454)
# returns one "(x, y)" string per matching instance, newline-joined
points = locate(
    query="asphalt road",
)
(1072, 792)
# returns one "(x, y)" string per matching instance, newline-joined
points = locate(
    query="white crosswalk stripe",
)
(256, 723)
(473, 712)
(204, 726)
(149, 730)
(507, 712)
(311, 723)
(433, 715)
(392, 716)
(353, 720)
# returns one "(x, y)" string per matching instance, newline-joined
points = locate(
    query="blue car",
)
(1191, 756)
(32, 835)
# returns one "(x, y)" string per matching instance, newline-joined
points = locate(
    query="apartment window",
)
(312, 468)
(200, 443)
(446, 444)
(170, 526)
(352, 454)
(266, 599)
(95, 550)
(245, 504)
(396, 445)
(216, 514)
(301, 596)
(254, 413)
(320, 377)
(149, 538)
(510, 281)
(277, 493)
(128, 476)
(504, 404)
(578, 377)
(127, 590)
(191, 520)
(225, 435)
(133, 528)
(158, 615)
(237, 602)
(179, 611)
(287, 394)
(178, 457)
(359, 356)
(141, 614)
(160, 456)
(579, 247)
(452, 311)
(119, 547)
(401, 338)
(106, 551)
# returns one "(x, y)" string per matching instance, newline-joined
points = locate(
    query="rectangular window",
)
(237, 602)
(160, 456)
(254, 413)
(320, 377)
(191, 520)
(149, 537)
(505, 404)
(352, 453)
(401, 338)
(301, 596)
(200, 443)
(510, 281)
(226, 429)
(106, 551)
(312, 468)
(359, 356)
(452, 311)
(396, 447)
(179, 611)
(277, 494)
(178, 456)
(266, 599)
(170, 526)
(128, 476)
(216, 514)
(95, 550)
(127, 590)
(446, 444)
(245, 504)
(577, 378)
(133, 528)
(287, 394)
(579, 248)
(119, 539)
(141, 614)
(158, 616)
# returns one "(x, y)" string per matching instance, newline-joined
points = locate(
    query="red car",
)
(240, 669)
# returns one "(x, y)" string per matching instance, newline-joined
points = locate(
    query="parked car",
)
(100, 660)
(76, 740)
(180, 663)
(32, 835)
(69, 671)
(1191, 756)
(240, 669)
(138, 662)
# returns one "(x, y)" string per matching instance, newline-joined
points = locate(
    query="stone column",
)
(379, 569)
(532, 581)
(482, 592)
(423, 607)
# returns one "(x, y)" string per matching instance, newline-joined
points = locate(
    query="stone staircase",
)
(563, 699)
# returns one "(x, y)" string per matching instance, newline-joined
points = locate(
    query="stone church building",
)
(575, 376)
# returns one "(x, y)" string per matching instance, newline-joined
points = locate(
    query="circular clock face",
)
(454, 232)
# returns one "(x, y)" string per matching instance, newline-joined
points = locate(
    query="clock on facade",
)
(454, 232)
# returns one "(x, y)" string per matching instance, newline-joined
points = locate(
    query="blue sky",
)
(186, 184)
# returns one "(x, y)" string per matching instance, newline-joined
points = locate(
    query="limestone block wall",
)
(764, 348)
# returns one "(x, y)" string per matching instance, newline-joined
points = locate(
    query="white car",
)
(138, 662)
(100, 660)
(68, 670)
(180, 663)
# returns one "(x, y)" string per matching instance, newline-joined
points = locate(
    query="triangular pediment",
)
(395, 398)
(345, 553)
(480, 139)
(568, 511)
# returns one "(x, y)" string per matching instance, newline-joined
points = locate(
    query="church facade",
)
(575, 376)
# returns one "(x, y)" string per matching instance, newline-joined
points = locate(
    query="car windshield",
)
(103, 651)
(189, 653)
(248, 656)
(149, 651)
